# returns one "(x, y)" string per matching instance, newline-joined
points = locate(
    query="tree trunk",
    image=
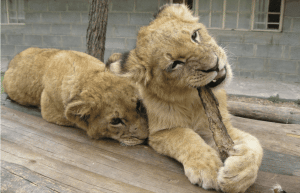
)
(96, 31)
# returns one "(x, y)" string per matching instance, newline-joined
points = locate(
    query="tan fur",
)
(178, 125)
(73, 89)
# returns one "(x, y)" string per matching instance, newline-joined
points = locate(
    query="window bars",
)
(248, 15)
(12, 12)
(255, 15)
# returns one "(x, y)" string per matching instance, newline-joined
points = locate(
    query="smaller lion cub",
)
(74, 89)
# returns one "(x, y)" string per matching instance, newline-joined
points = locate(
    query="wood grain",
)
(264, 112)
(44, 157)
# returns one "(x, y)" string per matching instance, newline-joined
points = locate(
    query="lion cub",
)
(73, 89)
(174, 54)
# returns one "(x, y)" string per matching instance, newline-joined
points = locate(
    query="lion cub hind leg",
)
(51, 113)
(201, 162)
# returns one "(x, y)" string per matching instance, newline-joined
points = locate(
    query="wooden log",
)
(265, 113)
(216, 125)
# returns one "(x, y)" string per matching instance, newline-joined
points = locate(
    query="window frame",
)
(252, 18)
(7, 15)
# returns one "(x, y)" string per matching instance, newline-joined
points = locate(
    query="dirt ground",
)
(272, 101)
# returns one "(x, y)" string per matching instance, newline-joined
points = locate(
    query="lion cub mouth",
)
(218, 79)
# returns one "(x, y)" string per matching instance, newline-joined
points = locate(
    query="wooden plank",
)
(273, 136)
(144, 154)
(93, 159)
(67, 156)
(16, 178)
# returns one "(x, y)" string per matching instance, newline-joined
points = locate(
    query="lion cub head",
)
(108, 107)
(173, 54)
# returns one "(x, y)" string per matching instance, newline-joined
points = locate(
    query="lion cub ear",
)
(128, 66)
(79, 112)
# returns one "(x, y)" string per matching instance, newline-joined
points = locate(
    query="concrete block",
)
(292, 78)
(79, 49)
(21, 48)
(269, 51)
(258, 38)
(292, 8)
(3, 39)
(61, 29)
(52, 41)
(287, 21)
(25, 29)
(140, 18)
(78, 6)
(299, 67)
(84, 17)
(229, 38)
(50, 17)
(295, 53)
(79, 29)
(83, 40)
(275, 76)
(71, 41)
(296, 25)
(125, 31)
(41, 29)
(283, 66)
(32, 17)
(33, 40)
(110, 31)
(55, 5)
(131, 44)
(261, 75)
(163, 2)
(121, 5)
(252, 64)
(113, 43)
(4, 63)
(37, 5)
(119, 51)
(288, 38)
(146, 6)
(107, 54)
(14, 39)
(7, 50)
(117, 18)
(240, 49)
(246, 74)
(233, 61)
(70, 17)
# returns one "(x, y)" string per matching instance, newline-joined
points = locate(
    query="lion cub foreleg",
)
(201, 162)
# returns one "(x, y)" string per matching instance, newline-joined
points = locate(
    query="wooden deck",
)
(37, 156)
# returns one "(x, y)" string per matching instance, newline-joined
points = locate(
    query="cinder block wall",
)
(62, 24)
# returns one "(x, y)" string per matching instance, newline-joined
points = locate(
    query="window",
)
(258, 15)
(12, 12)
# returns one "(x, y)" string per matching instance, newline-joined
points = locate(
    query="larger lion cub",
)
(73, 89)
(174, 55)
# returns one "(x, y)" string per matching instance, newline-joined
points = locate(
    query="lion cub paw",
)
(240, 170)
(203, 171)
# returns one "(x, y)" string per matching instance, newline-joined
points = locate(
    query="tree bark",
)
(96, 31)
(264, 112)
(216, 125)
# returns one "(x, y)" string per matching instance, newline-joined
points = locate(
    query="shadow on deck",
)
(37, 156)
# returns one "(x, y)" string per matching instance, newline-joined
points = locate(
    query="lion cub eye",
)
(196, 37)
(116, 122)
(176, 63)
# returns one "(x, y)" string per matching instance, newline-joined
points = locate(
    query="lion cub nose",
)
(215, 68)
